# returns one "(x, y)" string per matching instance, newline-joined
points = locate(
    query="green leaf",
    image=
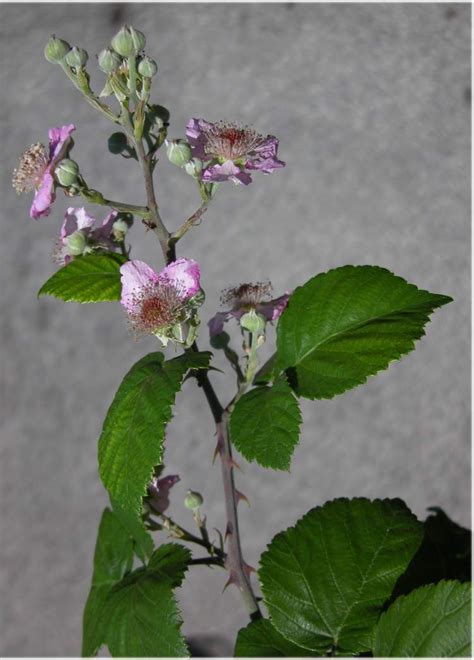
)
(113, 558)
(325, 580)
(346, 325)
(131, 443)
(170, 561)
(143, 618)
(445, 554)
(142, 538)
(265, 425)
(260, 640)
(433, 621)
(91, 278)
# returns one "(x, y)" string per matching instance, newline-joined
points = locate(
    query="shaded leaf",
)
(170, 562)
(142, 538)
(261, 640)
(347, 324)
(91, 278)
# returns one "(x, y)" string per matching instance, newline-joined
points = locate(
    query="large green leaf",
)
(433, 621)
(131, 443)
(144, 619)
(112, 560)
(325, 580)
(170, 562)
(88, 279)
(261, 640)
(347, 324)
(142, 538)
(265, 425)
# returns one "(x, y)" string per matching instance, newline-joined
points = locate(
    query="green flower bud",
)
(193, 500)
(194, 167)
(117, 143)
(56, 49)
(120, 227)
(108, 60)
(128, 42)
(77, 57)
(147, 67)
(67, 172)
(178, 152)
(253, 322)
(76, 243)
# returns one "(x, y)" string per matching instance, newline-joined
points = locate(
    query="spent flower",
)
(163, 304)
(231, 151)
(158, 492)
(81, 235)
(247, 298)
(36, 169)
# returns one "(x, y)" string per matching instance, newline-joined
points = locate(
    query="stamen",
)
(230, 141)
(30, 171)
(157, 306)
(247, 294)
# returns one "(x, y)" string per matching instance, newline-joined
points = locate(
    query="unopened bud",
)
(253, 322)
(67, 172)
(121, 226)
(128, 42)
(56, 49)
(76, 243)
(147, 67)
(194, 167)
(108, 60)
(193, 500)
(178, 152)
(77, 57)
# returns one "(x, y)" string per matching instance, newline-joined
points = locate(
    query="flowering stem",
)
(89, 96)
(184, 535)
(95, 197)
(190, 222)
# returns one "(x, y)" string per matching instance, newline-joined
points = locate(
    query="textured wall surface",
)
(372, 105)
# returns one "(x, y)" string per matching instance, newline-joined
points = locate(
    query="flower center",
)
(31, 169)
(157, 306)
(247, 294)
(230, 141)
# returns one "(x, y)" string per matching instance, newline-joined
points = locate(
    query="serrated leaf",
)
(325, 580)
(261, 640)
(144, 619)
(131, 443)
(113, 558)
(142, 538)
(170, 562)
(346, 325)
(433, 621)
(87, 279)
(265, 425)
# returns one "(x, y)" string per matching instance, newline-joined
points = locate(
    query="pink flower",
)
(157, 303)
(248, 297)
(230, 150)
(78, 235)
(36, 169)
(158, 492)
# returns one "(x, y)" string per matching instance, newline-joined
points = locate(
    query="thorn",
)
(233, 464)
(232, 580)
(241, 497)
(248, 570)
(219, 448)
(228, 530)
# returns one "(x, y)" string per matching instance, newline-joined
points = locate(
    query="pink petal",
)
(274, 309)
(76, 218)
(159, 490)
(216, 324)
(44, 197)
(58, 138)
(225, 172)
(184, 275)
(195, 137)
(105, 230)
(136, 276)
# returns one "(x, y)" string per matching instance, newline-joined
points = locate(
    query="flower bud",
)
(77, 57)
(253, 322)
(147, 67)
(194, 167)
(108, 60)
(121, 226)
(56, 49)
(193, 500)
(128, 42)
(178, 152)
(67, 172)
(76, 243)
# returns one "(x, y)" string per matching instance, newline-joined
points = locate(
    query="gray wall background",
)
(371, 103)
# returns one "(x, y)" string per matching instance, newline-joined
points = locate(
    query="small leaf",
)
(265, 425)
(325, 580)
(142, 538)
(87, 279)
(131, 443)
(170, 561)
(112, 560)
(433, 621)
(260, 640)
(143, 618)
(346, 325)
